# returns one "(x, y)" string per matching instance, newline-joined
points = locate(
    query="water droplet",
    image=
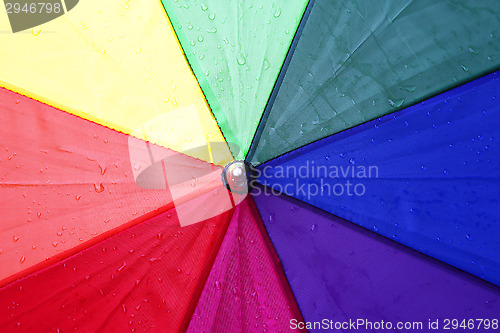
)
(212, 31)
(396, 103)
(266, 64)
(415, 211)
(445, 171)
(119, 269)
(411, 88)
(204, 7)
(272, 218)
(211, 16)
(314, 228)
(241, 59)
(277, 12)
(200, 38)
(23, 259)
(15, 238)
(465, 68)
(469, 237)
(78, 197)
(99, 188)
(423, 167)
(217, 285)
(36, 32)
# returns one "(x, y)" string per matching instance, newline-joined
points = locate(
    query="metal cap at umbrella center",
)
(236, 176)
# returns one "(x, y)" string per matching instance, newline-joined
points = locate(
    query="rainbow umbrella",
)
(249, 166)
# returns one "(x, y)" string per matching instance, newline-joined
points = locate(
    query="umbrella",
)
(249, 166)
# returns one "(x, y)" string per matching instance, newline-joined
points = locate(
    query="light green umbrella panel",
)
(236, 50)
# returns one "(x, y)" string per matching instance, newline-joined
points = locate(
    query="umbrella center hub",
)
(236, 176)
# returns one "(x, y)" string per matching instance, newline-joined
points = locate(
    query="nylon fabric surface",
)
(236, 50)
(67, 183)
(144, 279)
(343, 272)
(426, 177)
(117, 63)
(246, 290)
(358, 60)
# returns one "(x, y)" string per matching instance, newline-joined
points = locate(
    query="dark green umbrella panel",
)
(358, 60)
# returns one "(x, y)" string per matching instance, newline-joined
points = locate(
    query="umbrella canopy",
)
(249, 166)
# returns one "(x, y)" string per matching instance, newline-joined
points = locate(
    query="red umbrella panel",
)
(152, 157)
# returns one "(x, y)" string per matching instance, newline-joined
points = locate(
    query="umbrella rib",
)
(128, 293)
(385, 117)
(279, 80)
(372, 233)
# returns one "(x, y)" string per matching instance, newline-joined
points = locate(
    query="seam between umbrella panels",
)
(269, 243)
(93, 122)
(410, 250)
(142, 277)
(78, 253)
(173, 20)
(267, 111)
(195, 299)
(387, 117)
(127, 294)
(84, 246)
(131, 289)
(279, 81)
